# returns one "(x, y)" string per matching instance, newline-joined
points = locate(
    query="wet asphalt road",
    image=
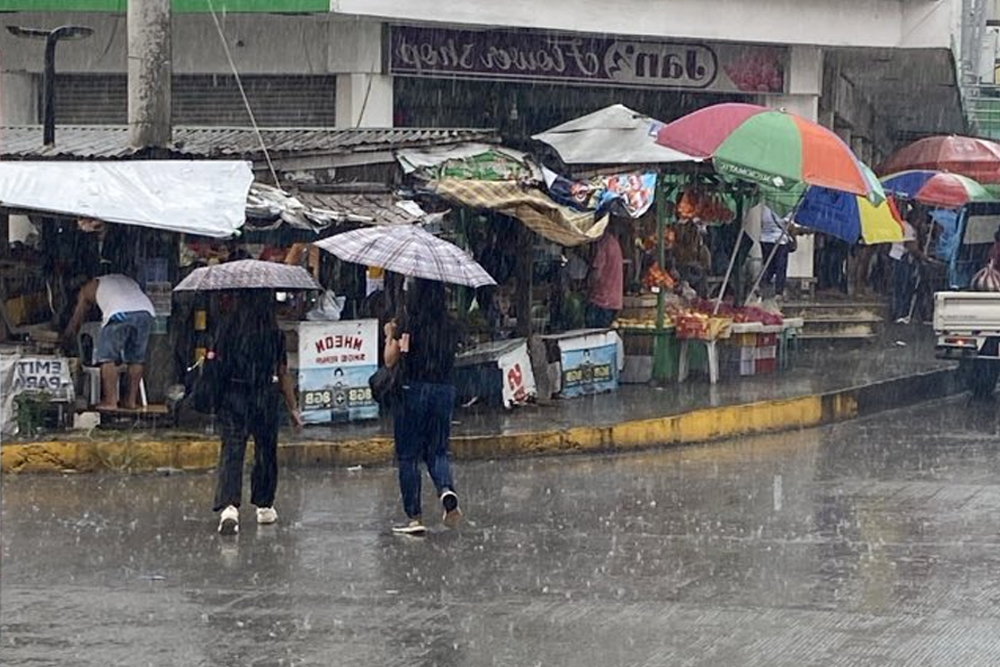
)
(870, 543)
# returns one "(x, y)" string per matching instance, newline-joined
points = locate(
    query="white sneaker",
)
(229, 521)
(266, 515)
(411, 527)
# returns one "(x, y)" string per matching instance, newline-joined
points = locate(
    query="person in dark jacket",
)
(254, 366)
(425, 343)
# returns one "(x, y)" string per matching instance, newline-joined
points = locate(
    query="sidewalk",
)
(823, 385)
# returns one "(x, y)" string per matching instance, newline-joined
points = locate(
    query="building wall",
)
(842, 23)
(346, 45)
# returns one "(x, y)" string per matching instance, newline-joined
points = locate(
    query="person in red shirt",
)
(606, 281)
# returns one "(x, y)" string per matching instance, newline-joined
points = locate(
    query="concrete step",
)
(849, 336)
(832, 310)
(838, 328)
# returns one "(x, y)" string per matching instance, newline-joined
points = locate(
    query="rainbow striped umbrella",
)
(936, 188)
(769, 147)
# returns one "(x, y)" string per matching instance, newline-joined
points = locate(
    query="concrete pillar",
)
(804, 83)
(19, 98)
(149, 69)
(364, 100)
(364, 93)
(804, 86)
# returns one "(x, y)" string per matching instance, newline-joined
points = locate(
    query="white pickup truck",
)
(967, 324)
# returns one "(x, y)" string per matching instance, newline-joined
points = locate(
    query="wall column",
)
(364, 93)
(804, 83)
(19, 98)
(364, 100)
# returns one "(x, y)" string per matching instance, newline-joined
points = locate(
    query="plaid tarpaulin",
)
(535, 208)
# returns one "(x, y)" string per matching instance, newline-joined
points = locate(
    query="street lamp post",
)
(49, 76)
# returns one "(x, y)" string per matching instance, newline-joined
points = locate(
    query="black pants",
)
(243, 413)
(777, 270)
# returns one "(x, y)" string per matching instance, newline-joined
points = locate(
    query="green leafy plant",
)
(30, 410)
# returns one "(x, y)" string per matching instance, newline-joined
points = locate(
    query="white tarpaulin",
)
(206, 197)
(613, 135)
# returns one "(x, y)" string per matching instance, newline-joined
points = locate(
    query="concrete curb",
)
(703, 425)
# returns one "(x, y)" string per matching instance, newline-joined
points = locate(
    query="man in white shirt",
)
(127, 319)
(774, 238)
(904, 258)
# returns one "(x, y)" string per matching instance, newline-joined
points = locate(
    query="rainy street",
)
(864, 543)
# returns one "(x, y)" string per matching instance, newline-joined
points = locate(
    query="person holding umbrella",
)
(254, 363)
(252, 373)
(423, 343)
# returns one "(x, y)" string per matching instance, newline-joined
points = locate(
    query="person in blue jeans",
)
(126, 323)
(424, 342)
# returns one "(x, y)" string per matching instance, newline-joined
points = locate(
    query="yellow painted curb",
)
(696, 426)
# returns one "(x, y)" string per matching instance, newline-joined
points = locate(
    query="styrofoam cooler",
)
(748, 360)
(745, 346)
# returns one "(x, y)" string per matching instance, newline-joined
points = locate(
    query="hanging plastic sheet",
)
(207, 198)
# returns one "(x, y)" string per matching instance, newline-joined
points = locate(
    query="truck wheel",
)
(980, 377)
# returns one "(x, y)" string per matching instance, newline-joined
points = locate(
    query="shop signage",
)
(518, 379)
(43, 375)
(335, 360)
(565, 58)
(588, 360)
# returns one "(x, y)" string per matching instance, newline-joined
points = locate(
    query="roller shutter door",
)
(277, 101)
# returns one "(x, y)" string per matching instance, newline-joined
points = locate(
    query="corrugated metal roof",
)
(374, 208)
(269, 207)
(104, 142)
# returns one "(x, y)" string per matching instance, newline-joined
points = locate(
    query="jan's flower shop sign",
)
(564, 58)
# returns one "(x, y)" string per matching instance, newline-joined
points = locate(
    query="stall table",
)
(585, 361)
(499, 372)
(639, 343)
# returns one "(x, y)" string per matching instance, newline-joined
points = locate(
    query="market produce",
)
(657, 277)
(700, 206)
(640, 323)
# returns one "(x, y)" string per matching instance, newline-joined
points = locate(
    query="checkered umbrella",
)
(248, 274)
(408, 250)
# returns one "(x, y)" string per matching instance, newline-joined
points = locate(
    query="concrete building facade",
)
(879, 72)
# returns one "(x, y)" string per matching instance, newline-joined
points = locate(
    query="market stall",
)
(496, 373)
(87, 219)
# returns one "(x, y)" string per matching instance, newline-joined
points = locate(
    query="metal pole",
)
(49, 87)
(149, 72)
(51, 37)
(662, 368)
